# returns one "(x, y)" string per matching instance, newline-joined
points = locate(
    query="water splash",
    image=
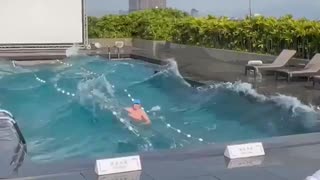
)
(290, 102)
(155, 108)
(170, 70)
(173, 66)
(284, 101)
(101, 92)
(73, 51)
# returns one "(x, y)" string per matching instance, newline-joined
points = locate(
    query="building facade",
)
(136, 5)
(194, 13)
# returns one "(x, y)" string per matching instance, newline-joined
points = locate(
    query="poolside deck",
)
(287, 158)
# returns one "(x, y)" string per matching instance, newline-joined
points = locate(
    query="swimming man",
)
(137, 113)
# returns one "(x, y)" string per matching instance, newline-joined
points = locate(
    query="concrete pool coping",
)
(290, 157)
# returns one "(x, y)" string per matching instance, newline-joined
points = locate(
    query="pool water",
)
(75, 109)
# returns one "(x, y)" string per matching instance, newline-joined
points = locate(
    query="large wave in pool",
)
(75, 109)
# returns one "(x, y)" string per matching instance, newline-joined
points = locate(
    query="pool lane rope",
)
(70, 94)
(62, 91)
(179, 131)
(167, 124)
(123, 121)
(39, 79)
(56, 87)
(67, 93)
(89, 72)
(64, 63)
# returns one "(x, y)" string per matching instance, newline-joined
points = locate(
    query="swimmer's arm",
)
(146, 119)
(127, 109)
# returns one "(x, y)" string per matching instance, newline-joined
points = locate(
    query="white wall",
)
(41, 21)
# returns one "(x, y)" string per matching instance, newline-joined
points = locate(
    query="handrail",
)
(10, 118)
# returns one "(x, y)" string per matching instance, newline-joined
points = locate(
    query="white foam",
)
(98, 92)
(173, 66)
(155, 108)
(290, 102)
(284, 101)
(73, 51)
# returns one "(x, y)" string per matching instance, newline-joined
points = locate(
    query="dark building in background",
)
(194, 13)
(136, 5)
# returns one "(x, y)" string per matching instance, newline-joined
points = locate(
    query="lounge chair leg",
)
(255, 73)
(276, 75)
(313, 83)
(288, 79)
(246, 71)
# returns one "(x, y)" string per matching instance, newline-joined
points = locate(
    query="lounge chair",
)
(311, 69)
(315, 79)
(278, 63)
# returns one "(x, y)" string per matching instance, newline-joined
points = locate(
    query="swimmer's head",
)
(136, 104)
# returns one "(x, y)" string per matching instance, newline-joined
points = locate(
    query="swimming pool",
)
(75, 109)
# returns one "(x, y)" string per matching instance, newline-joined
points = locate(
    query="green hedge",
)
(256, 34)
(154, 24)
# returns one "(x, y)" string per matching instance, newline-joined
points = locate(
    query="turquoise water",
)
(71, 112)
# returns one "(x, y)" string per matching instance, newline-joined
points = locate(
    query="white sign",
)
(118, 165)
(245, 162)
(255, 62)
(135, 175)
(244, 150)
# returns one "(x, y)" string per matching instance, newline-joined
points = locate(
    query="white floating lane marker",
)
(64, 63)
(90, 72)
(63, 91)
(39, 79)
